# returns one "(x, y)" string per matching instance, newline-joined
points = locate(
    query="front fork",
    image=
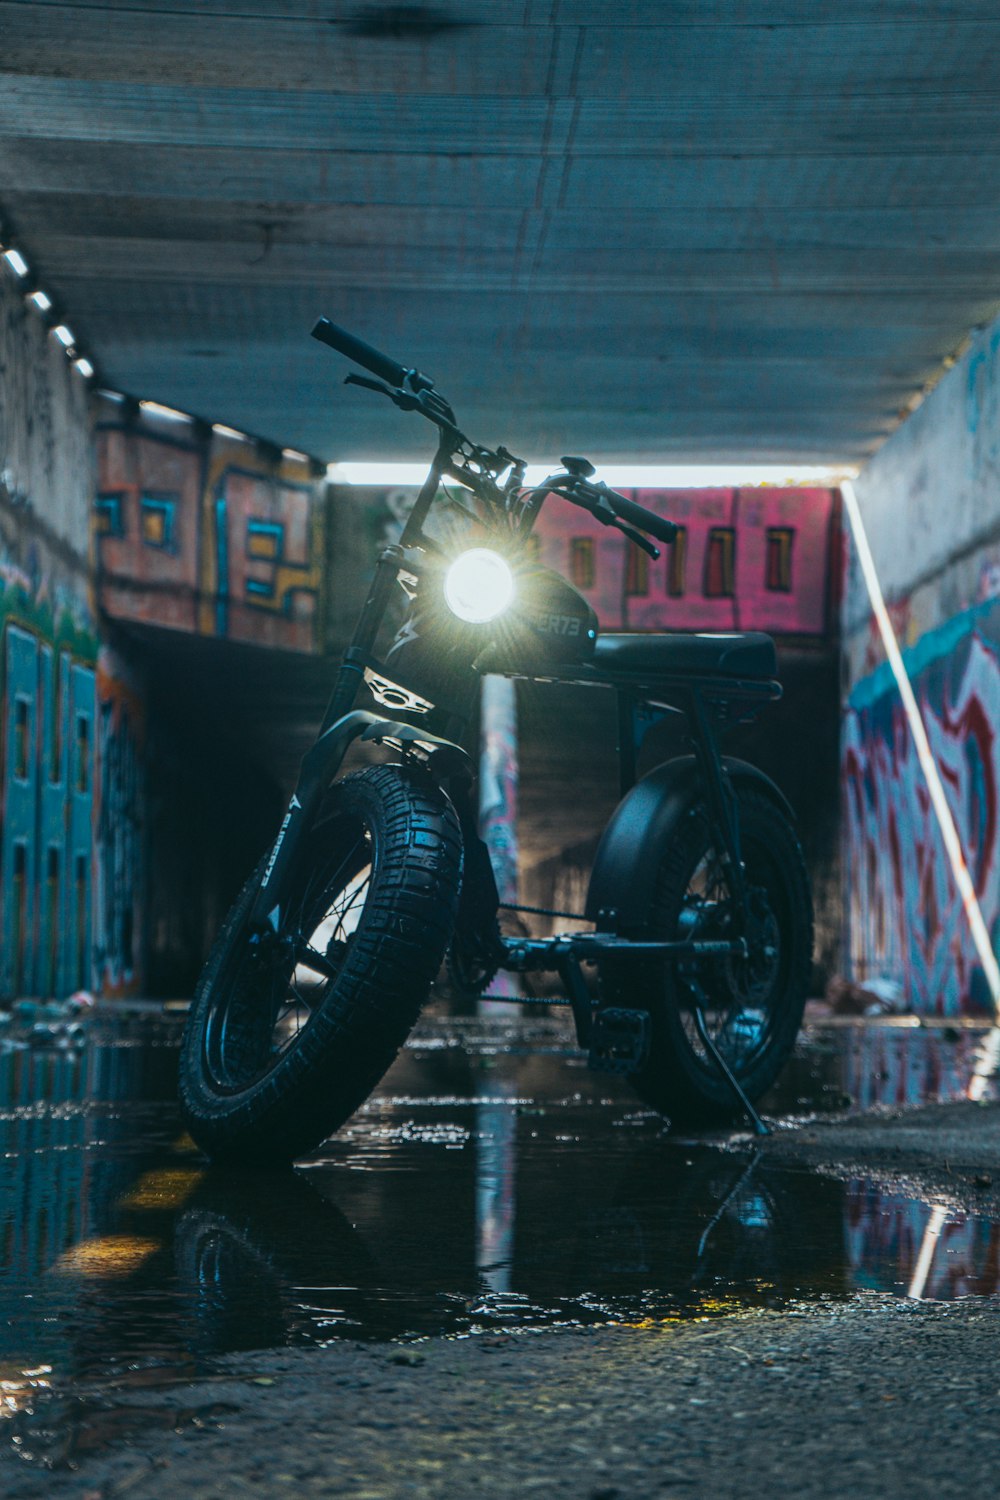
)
(319, 766)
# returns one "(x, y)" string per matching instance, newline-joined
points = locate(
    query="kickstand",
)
(708, 1042)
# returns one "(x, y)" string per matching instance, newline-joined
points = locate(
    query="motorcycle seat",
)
(746, 654)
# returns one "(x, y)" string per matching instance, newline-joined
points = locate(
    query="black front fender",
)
(644, 822)
(319, 766)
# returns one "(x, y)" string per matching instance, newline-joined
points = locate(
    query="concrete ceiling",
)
(647, 230)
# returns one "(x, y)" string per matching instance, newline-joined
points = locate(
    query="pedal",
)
(619, 1041)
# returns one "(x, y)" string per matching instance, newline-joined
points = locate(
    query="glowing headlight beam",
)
(987, 1061)
(479, 586)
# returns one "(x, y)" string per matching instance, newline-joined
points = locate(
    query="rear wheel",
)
(752, 1005)
(289, 1034)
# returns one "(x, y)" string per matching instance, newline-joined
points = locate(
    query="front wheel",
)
(752, 1006)
(288, 1034)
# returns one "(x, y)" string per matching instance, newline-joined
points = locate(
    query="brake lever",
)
(426, 400)
(401, 399)
(637, 537)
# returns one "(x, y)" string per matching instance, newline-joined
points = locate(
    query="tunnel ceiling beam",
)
(699, 231)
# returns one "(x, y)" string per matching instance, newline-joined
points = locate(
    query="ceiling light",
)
(84, 366)
(16, 261)
(156, 409)
(41, 301)
(64, 335)
(222, 430)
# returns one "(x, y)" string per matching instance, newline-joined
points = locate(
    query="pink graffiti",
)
(905, 916)
(742, 532)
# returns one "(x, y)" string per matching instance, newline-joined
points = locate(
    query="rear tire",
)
(277, 1053)
(753, 1006)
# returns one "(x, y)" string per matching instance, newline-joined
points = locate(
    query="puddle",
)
(492, 1184)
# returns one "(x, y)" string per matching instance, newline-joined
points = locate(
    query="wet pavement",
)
(492, 1184)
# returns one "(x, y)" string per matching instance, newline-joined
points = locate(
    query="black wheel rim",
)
(271, 990)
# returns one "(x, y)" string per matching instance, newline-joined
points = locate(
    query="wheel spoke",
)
(342, 912)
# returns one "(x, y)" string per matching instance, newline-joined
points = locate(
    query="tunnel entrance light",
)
(622, 476)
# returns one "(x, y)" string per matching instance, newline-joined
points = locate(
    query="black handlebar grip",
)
(643, 519)
(362, 354)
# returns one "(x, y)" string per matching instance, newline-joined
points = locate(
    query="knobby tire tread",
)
(354, 1036)
(672, 1081)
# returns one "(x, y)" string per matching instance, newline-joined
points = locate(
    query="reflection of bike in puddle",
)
(682, 1235)
(705, 1231)
(250, 1255)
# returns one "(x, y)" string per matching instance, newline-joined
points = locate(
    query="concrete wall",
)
(931, 503)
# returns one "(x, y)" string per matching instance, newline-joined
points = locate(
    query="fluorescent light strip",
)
(64, 335)
(41, 300)
(84, 366)
(157, 409)
(221, 430)
(295, 456)
(624, 476)
(986, 1065)
(17, 262)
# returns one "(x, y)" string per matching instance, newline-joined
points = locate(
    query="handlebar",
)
(606, 504)
(362, 354)
(641, 518)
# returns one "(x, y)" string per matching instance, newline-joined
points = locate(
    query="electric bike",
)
(698, 901)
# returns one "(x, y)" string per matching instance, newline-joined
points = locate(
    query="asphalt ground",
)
(865, 1395)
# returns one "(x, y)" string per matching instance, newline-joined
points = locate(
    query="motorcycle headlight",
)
(479, 586)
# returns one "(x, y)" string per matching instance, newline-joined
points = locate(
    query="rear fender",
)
(623, 880)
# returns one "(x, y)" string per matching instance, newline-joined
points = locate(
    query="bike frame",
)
(690, 694)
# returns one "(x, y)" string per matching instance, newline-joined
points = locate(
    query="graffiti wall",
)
(752, 559)
(905, 917)
(203, 531)
(932, 511)
(61, 821)
(71, 829)
(115, 514)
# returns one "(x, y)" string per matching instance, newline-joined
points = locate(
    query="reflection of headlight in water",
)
(479, 586)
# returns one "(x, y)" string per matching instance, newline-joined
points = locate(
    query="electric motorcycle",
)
(698, 902)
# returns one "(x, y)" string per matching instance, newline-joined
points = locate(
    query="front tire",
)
(753, 1007)
(286, 1038)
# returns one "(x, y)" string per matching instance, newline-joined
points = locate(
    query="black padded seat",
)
(749, 654)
